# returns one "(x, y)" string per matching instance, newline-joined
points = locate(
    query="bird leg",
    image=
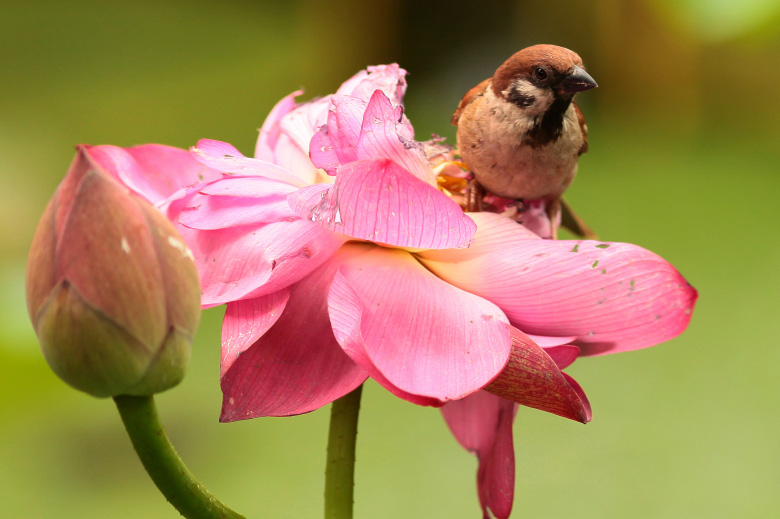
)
(574, 223)
(553, 209)
(474, 195)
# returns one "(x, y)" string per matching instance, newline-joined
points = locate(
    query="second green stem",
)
(340, 468)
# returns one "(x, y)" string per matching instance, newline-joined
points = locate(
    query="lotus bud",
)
(112, 289)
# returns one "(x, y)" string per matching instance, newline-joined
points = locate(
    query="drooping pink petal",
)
(153, 171)
(223, 157)
(377, 200)
(250, 261)
(612, 296)
(532, 378)
(246, 321)
(269, 132)
(235, 201)
(482, 424)
(346, 312)
(296, 366)
(423, 335)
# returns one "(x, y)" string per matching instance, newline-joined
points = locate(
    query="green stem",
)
(160, 460)
(340, 470)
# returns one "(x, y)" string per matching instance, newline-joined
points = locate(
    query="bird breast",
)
(492, 139)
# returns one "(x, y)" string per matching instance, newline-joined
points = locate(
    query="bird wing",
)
(468, 98)
(583, 128)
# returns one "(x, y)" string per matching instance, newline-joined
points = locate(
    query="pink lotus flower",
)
(339, 258)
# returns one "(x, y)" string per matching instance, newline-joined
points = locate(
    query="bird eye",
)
(540, 73)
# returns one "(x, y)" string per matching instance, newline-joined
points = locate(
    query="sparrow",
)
(521, 133)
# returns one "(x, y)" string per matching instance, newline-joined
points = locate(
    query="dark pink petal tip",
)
(532, 378)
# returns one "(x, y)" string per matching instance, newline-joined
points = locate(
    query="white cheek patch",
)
(532, 99)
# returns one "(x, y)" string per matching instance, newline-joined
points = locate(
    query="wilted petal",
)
(482, 424)
(423, 335)
(612, 296)
(250, 261)
(153, 171)
(246, 321)
(532, 378)
(223, 157)
(296, 366)
(377, 200)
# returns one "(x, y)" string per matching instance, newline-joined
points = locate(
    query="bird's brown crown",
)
(557, 59)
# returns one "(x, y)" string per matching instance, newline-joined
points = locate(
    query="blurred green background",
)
(683, 160)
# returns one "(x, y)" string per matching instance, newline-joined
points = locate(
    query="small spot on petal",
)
(125, 245)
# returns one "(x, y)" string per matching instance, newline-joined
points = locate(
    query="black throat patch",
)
(550, 126)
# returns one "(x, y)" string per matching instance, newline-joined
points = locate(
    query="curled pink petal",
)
(246, 321)
(153, 171)
(296, 366)
(377, 200)
(250, 261)
(612, 296)
(482, 424)
(345, 312)
(336, 142)
(388, 297)
(532, 378)
(223, 157)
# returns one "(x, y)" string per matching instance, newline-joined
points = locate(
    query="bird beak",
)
(576, 81)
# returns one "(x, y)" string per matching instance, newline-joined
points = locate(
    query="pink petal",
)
(532, 378)
(388, 78)
(246, 321)
(424, 336)
(612, 296)
(379, 138)
(558, 348)
(563, 356)
(346, 314)
(482, 424)
(296, 366)
(548, 342)
(336, 143)
(235, 201)
(376, 200)
(223, 157)
(250, 261)
(269, 133)
(153, 171)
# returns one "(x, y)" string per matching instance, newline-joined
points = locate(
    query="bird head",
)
(535, 77)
